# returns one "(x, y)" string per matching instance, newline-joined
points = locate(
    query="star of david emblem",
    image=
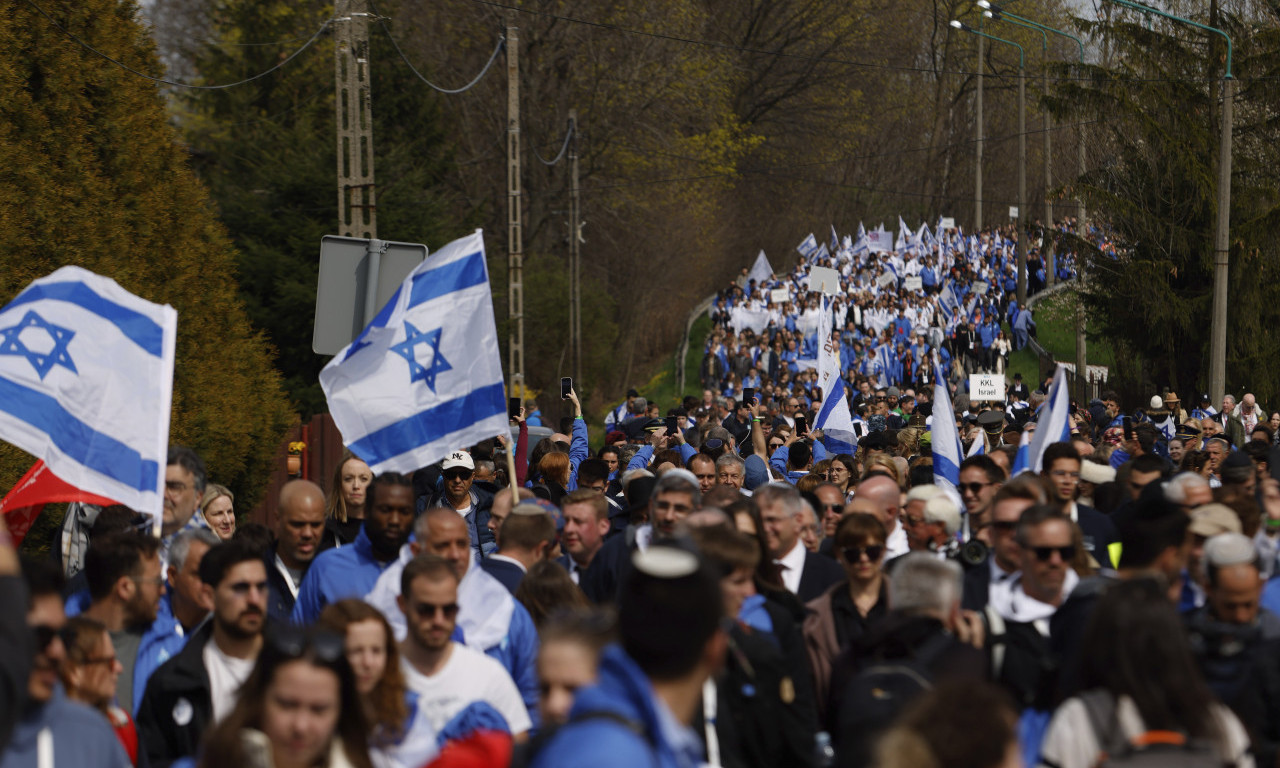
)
(408, 350)
(11, 343)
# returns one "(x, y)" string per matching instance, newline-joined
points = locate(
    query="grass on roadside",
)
(1056, 331)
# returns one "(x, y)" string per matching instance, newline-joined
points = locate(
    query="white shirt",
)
(792, 567)
(226, 675)
(468, 676)
(896, 544)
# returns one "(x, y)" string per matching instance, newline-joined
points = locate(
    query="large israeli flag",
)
(947, 448)
(424, 378)
(833, 417)
(1053, 425)
(86, 384)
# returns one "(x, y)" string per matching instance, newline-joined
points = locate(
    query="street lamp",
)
(1022, 153)
(999, 14)
(1218, 332)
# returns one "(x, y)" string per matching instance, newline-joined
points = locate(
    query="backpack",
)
(1152, 749)
(877, 694)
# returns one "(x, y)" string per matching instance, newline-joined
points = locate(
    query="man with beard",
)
(198, 687)
(352, 571)
(125, 585)
(447, 676)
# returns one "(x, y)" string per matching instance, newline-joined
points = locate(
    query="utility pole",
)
(1021, 229)
(515, 227)
(977, 171)
(575, 249)
(1221, 244)
(357, 208)
(1045, 257)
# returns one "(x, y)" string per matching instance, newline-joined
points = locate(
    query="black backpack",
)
(877, 694)
(1153, 749)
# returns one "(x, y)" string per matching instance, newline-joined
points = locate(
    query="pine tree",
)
(95, 176)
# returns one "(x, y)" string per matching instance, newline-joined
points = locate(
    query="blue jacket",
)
(81, 736)
(162, 640)
(578, 451)
(335, 574)
(779, 461)
(518, 654)
(626, 693)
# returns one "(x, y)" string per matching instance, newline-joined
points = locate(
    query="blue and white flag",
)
(808, 246)
(833, 417)
(761, 271)
(1053, 425)
(425, 377)
(1022, 459)
(86, 384)
(947, 448)
(977, 448)
(835, 239)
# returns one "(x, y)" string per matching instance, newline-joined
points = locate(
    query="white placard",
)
(948, 223)
(912, 283)
(824, 280)
(986, 386)
(980, 289)
(1013, 211)
(780, 295)
(886, 280)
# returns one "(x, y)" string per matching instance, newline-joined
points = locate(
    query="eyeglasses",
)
(974, 488)
(292, 641)
(44, 635)
(177, 486)
(155, 581)
(457, 474)
(854, 554)
(428, 610)
(1004, 526)
(1043, 554)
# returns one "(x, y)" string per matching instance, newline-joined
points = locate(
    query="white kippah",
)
(665, 562)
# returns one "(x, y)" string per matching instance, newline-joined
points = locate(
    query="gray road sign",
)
(345, 302)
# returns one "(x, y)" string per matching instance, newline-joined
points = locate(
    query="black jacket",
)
(1099, 533)
(178, 706)
(478, 525)
(17, 648)
(509, 574)
(819, 573)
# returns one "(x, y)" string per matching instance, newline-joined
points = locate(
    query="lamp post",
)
(1221, 232)
(1022, 153)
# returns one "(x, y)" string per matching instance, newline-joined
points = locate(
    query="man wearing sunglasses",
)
(1020, 608)
(72, 734)
(447, 676)
(457, 491)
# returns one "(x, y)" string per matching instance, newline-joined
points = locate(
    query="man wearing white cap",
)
(458, 472)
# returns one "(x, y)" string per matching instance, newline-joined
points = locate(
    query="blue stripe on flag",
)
(432, 424)
(464, 273)
(140, 329)
(81, 442)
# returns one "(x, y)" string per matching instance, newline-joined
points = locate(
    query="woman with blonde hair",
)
(218, 509)
(344, 507)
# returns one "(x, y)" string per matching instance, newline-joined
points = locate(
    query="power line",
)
(382, 22)
(568, 136)
(162, 80)
(807, 57)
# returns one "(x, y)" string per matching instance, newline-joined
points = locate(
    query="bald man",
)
(299, 536)
(885, 494)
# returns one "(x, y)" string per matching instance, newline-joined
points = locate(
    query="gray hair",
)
(784, 494)
(731, 459)
(678, 481)
(180, 547)
(1180, 485)
(639, 405)
(926, 586)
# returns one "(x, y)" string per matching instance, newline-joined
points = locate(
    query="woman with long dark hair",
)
(1139, 678)
(299, 708)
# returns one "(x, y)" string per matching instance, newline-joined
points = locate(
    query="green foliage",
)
(1158, 189)
(95, 177)
(268, 154)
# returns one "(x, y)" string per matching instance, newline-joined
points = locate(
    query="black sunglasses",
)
(854, 554)
(293, 642)
(1043, 554)
(973, 488)
(44, 635)
(1005, 525)
(457, 474)
(425, 610)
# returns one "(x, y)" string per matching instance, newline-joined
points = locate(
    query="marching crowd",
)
(711, 586)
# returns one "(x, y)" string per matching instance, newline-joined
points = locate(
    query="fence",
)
(318, 462)
(1082, 387)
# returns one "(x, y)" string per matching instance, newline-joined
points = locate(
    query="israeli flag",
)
(947, 448)
(1022, 459)
(808, 246)
(834, 418)
(835, 239)
(1053, 425)
(424, 378)
(977, 448)
(86, 384)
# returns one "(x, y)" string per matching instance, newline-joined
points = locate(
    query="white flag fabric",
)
(833, 417)
(808, 245)
(425, 377)
(86, 384)
(1053, 424)
(946, 438)
(761, 271)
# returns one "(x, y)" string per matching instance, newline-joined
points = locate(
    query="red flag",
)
(39, 486)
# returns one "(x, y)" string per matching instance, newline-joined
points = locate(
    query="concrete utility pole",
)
(1022, 230)
(515, 221)
(357, 207)
(575, 249)
(977, 171)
